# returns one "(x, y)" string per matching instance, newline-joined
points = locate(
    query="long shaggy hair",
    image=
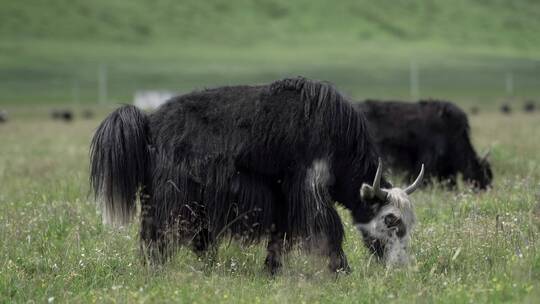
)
(435, 133)
(242, 161)
(119, 163)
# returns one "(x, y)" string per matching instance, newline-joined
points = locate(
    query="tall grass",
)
(468, 247)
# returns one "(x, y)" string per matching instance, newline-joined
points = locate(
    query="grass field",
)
(480, 248)
(468, 247)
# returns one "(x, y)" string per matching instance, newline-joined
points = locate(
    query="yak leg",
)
(334, 235)
(274, 252)
(326, 221)
(201, 242)
(312, 213)
(278, 232)
(204, 247)
(449, 181)
(276, 244)
(152, 239)
(338, 261)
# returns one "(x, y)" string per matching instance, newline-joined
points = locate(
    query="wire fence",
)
(108, 83)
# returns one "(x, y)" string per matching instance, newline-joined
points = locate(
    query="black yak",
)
(506, 109)
(3, 116)
(529, 106)
(63, 115)
(434, 133)
(249, 162)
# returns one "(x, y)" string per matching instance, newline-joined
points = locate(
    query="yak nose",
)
(395, 223)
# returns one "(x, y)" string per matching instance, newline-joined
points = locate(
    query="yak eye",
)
(396, 224)
(391, 220)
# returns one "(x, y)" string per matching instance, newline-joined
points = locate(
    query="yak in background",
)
(430, 132)
(3, 116)
(250, 162)
(62, 115)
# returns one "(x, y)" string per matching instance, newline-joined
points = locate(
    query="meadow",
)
(467, 247)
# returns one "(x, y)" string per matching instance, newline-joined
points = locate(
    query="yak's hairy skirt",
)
(234, 161)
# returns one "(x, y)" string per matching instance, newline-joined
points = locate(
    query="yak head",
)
(478, 173)
(388, 233)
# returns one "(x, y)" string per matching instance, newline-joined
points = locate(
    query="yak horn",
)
(486, 155)
(416, 183)
(381, 194)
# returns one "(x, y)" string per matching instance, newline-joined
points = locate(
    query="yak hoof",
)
(339, 264)
(273, 266)
(342, 269)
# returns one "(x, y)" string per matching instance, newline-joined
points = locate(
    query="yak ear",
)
(485, 156)
(366, 192)
(444, 111)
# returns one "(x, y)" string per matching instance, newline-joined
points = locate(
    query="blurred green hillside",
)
(51, 51)
(480, 22)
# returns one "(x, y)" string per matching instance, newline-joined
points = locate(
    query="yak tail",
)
(119, 163)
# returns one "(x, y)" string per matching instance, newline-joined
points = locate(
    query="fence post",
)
(414, 84)
(102, 84)
(76, 92)
(510, 84)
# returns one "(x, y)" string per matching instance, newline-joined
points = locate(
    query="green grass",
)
(481, 248)
(480, 22)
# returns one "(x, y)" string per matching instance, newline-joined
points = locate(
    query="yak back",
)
(430, 131)
(267, 135)
(423, 119)
(288, 123)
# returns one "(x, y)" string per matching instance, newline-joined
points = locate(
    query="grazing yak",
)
(3, 116)
(64, 115)
(252, 163)
(434, 133)
(529, 106)
(506, 109)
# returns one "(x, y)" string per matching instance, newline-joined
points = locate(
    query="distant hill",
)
(59, 51)
(495, 23)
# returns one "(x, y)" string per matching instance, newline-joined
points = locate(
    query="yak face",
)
(476, 169)
(479, 173)
(388, 233)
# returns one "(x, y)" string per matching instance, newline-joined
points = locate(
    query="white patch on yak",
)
(317, 178)
(396, 247)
